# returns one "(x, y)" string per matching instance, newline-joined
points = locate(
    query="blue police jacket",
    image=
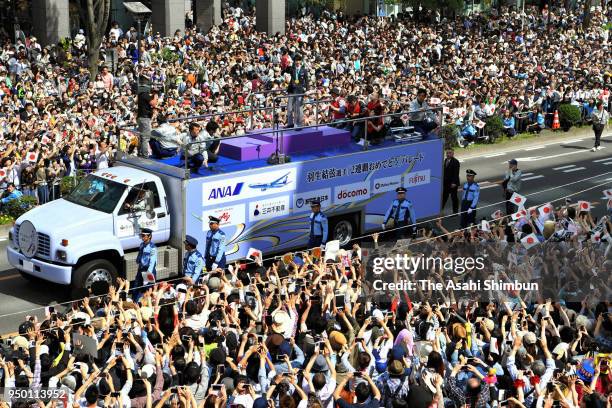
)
(401, 212)
(12, 196)
(147, 257)
(471, 192)
(215, 245)
(318, 225)
(193, 264)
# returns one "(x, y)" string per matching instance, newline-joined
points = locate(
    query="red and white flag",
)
(45, 140)
(607, 194)
(496, 215)
(518, 200)
(479, 124)
(2, 173)
(445, 110)
(546, 210)
(596, 237)
(519, 214)
(434, 101)
(254, 254)
(609, 206)
(484, 226)
(584, 206)
(530, 241)
(463, 93)
(32, 157)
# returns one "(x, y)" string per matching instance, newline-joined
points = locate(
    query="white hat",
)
(81, 315)
(377, 315)
(280, 321)
(147, 371)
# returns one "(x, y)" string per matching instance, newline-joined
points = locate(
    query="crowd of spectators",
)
(308, 332)
(56, 121)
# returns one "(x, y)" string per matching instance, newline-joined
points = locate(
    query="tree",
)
(587, 14)
(95, 14)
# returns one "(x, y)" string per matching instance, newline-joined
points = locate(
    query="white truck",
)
(92, 234)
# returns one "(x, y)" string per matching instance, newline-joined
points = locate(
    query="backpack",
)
(387, 397)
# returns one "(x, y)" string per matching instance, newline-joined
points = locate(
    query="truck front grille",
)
(44, 243)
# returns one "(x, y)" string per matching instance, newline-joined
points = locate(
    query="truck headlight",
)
(61, 255)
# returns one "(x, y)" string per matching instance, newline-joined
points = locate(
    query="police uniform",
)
(318, 227)
(193, 262)
(469, 201)
(214, 253)
(403, 214)
(147, 262)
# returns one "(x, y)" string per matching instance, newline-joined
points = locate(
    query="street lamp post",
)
(139, 12)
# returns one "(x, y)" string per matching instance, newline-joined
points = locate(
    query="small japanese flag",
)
(32, 157)
(148, 278)
(530, 241)
(434, 101)
(518, 199)
(445, 110)
(45, 140)
(532, 210)
(608, 194)
(584, 206)
(254, 254)
(609, 206)
(596, 237)
(484, 226)
(479, 124)
(2, 173)
(463, 93)
(519, 214)
(546, 210)
(404, 118)
(497, 214)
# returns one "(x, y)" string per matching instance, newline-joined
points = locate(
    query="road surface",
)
(570, 165)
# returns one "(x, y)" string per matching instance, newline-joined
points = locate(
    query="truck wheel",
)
(93, 271)
(343, 229)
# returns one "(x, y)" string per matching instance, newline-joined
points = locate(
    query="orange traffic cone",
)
(556, 124)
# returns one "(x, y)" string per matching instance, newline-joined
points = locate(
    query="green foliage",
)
(169, 55)
(449, 133)
(65, 44)
(15, 208)
(494, 127)
(6, 219)
(569, 115)
(67, 184)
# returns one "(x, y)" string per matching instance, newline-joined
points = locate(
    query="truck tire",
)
(344, 228)
(92, 271)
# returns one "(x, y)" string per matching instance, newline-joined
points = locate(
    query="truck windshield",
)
(97, 193)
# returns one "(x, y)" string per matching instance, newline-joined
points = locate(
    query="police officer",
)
(469, 199)
(318, 226)
(214, 253)
(147, 262)
(403, 215)
(193, 262)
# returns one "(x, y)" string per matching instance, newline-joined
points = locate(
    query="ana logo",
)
(226, 191)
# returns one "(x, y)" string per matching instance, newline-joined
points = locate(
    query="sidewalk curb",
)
(547, 137)
(4, 231)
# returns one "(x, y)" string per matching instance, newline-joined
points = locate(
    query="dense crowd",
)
(312, 332)
(55, 121)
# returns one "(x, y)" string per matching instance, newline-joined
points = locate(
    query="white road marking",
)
(572, 141)
(488, 156)
(601, 160)
(527, 174)
(534, 148)
(564, 167)
(576, 169)
(533, 177)
(488, 186)
(610, 162)
(484, 182)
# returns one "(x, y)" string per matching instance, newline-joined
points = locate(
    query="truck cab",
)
(87, 235)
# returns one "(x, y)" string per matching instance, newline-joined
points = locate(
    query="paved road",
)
(544, 167)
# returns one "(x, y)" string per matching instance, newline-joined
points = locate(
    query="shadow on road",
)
(574, 147)
(34, 292)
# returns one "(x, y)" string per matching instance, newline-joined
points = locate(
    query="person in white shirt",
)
(166, 138)
(102, 156)
(600, 120)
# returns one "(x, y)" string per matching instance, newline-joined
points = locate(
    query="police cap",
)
(314, 202)
(400, 190)
(191, 241)
(147, 231)
(213, 220)
(470, 172)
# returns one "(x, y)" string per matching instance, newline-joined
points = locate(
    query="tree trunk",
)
(587, 15)
(95, 13)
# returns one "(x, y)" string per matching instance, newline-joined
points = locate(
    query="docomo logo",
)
(350, 193)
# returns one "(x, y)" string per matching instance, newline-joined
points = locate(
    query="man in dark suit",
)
(451, 180)
(298, 85)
